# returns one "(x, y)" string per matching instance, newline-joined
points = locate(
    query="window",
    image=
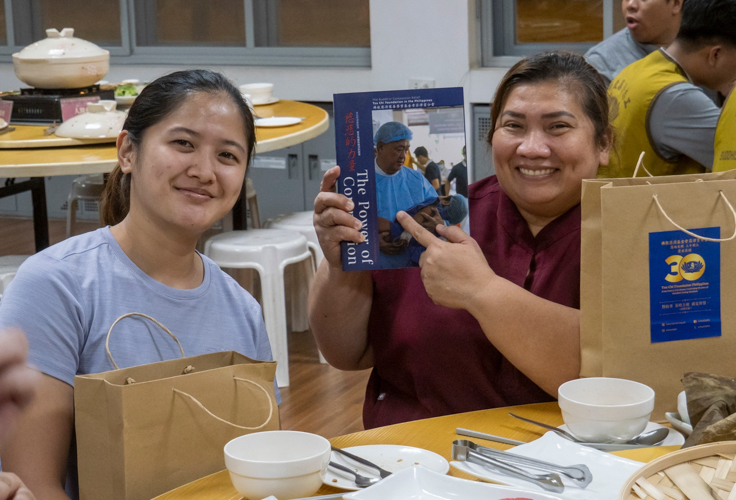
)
(3, 27)
(94, 20)
(520, 27)
(190, 23)
(297, 23)
(242, 32)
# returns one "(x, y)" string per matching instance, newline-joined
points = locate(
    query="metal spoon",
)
(648, 438)
(655, 436)
(360, 481)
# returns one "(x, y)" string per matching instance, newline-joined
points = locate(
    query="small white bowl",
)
(259, 92)
(285, 464)
(603, 410)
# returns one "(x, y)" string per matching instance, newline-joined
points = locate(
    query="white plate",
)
(270, 100)
(125, 100)
(277, 121)
(391, 457)
(674, 438)
(3, 124)
(419, 483)
(610, 472)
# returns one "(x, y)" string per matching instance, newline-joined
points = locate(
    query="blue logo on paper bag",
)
(685, 285)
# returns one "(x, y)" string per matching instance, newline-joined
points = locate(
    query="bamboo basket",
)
(713, 463)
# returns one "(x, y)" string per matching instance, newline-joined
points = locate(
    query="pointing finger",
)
(453, 234)
(424, 237)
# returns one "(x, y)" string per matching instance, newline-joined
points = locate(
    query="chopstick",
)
(325, 497)
(489, 437)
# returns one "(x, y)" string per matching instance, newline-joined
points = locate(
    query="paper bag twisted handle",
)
(717, 240)
(640, 164)
(107, 341)
(268, 397)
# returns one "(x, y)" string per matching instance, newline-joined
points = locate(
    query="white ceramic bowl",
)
(61, 61)
(259, 92)
(602, 410)
(285, 464)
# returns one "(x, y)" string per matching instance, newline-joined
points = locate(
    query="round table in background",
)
(434, 434)
(27, 152)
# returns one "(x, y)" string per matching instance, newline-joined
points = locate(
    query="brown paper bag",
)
(144, 430)
(615, 329)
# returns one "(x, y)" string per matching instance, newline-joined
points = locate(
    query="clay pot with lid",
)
(61, 61)
(101, 121)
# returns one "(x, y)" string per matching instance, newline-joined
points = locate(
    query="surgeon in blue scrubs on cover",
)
(397, 188)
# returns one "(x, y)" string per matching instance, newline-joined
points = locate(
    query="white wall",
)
(409, 39)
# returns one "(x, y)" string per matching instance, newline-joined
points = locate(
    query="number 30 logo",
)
(690, 267)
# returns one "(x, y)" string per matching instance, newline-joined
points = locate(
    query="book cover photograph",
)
(400, 150)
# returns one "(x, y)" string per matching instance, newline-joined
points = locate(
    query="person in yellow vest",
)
(656, 106)
(650, 24)
(725, 143)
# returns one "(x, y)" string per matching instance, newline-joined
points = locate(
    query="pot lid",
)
(61, 46)
(100, 121)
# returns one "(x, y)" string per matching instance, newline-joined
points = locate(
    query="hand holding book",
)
(332, 220)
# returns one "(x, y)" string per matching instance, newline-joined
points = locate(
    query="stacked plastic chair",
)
(267, 251)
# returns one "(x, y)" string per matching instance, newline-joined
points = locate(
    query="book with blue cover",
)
(396, 151)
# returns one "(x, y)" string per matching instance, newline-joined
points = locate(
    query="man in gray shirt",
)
(649, 24)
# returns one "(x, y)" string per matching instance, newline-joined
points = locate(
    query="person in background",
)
(431, 169)
(489, 320)
(182, 156)
(725, 142)
(397, 188)
(656, 106)
(650, 24)
(459, 174)
(18, 384)
(409, 161)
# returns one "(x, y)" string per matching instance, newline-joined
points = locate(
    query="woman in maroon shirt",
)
(490, 320)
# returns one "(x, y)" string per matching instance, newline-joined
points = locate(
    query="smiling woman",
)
(550, 131)
(182, 154)
(490, 320)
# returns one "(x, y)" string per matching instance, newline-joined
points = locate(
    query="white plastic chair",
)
(268, 251)
(302, 223)
(85, 188)
(11, 263)
(4, 282)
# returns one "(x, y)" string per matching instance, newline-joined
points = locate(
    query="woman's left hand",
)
(454, 272)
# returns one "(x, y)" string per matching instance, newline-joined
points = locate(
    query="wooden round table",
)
(434, 434)
(27, 152)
